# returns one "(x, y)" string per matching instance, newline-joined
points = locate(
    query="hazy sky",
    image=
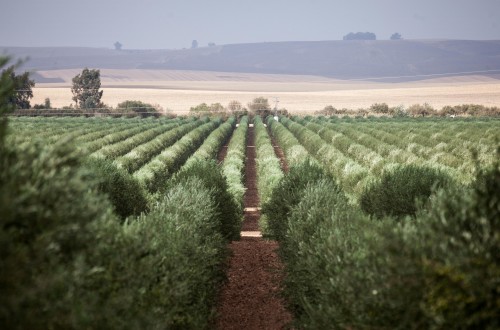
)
(143, 24)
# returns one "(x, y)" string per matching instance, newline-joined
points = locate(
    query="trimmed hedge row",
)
(125, 193)
(399, 191)
(228, 211)
(269, 171)
(295, 153)
(213, 143)
(351, 175)
(140, 155)
(439, 269)
(115, 150)
(113, 136)
(67, 262)
(233, 166)
(154, 174)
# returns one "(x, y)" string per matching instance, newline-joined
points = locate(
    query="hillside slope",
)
(407, 59)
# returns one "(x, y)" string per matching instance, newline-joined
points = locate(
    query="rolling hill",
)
(405, 59)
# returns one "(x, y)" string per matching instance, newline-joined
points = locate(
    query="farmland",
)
(180, 90)
(126, 222)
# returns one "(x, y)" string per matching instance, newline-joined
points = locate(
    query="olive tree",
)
(23, 85)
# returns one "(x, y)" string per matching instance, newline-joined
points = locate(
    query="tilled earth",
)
(251, 298)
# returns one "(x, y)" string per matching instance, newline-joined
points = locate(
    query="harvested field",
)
(179, 90)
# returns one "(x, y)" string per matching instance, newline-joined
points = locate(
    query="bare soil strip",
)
(251, 297)
(280, 154)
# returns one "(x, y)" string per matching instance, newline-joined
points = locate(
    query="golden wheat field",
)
(177, 91)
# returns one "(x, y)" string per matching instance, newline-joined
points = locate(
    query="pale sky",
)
(173, 24)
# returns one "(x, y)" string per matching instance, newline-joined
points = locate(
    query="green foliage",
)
(7, 88)
(66, 262)
(204, 108)
(439, 270)
(324, 242)
(85, 89)
(47, 208)
(288, 193)
(294, 152)
(228, 211)
(212, 144)
(160, 271)
(399, 190)
(137, 106)
(140, 155)
(459, 239)
(123, 190)
(233, 167)
(269, 171)
(155, 174)
(23, 85)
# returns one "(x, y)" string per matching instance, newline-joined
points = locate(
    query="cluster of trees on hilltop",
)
(360, 36)
(369, 36)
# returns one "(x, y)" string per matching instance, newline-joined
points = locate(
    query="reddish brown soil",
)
(251, 198)
(221, 155)
(280, 154)
(251, 297)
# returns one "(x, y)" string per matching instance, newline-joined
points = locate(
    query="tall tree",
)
(85, 89)
(23, 85)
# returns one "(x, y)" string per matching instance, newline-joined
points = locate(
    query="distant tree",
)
(85, 89)
(381, 108)
(46, 105)
(204, 108)
(418, 110)
(200, 108)
(216, 108)
(7, 92)
(118, 45)
(396, 36)
(194, 44)
(259, 104)
(211, 44)
(23, 88)
(137, 106)
(234, 106)
(360, 36)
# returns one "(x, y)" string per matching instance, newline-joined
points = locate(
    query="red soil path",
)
(251, 297)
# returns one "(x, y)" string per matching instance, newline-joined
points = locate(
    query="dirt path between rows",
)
(251, 297)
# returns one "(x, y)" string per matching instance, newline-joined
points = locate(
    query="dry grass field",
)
(177, 90)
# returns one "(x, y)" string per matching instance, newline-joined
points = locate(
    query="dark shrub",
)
(125, 193)
(287, 194)
(160, 271)
(399, 190)
(47, 209)
(229, 213)
(460, 236)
